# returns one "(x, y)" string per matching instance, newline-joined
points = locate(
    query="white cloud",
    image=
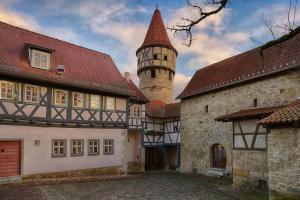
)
(180, 81)
(17, 18)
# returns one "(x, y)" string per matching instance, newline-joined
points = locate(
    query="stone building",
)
(223, 102)
(284, 151)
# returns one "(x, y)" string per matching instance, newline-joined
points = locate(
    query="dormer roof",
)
(157, 34)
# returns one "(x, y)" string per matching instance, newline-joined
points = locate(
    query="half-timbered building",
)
(62, 107)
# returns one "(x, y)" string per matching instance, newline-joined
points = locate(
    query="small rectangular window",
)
(93, 147)
(31, 93)
(153, 73)
(155, 56)
(135, 111)
(95, 102)
(108, 146)
(255, 103)
(110, 103)
(59, 148)
(60, 97)
(40, 59)
(165, 57)
(78, 99)
(175, 128)
(7, 90)
(206, 109)
(76, 147)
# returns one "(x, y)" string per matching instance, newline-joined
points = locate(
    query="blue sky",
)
(119, 27)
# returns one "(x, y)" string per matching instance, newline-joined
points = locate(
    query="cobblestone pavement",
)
(151, 186)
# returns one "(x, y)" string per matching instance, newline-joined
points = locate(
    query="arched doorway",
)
(218, 156)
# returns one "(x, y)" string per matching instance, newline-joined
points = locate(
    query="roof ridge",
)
(51, 37)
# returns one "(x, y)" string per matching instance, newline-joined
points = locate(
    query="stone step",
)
(216, 172)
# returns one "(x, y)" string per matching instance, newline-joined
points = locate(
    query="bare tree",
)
(275, 28)
(188, 24)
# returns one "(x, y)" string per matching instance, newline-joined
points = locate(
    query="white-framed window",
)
(59, 148)
(78, 99)
(32, 93)
(60, 97)
(40, 59)
(108, 146)
(110, 103)
(135, 111)
(7, 90)
(93, 147)
(95, 101)
(76, 147)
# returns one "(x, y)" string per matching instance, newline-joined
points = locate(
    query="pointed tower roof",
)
(157, 34)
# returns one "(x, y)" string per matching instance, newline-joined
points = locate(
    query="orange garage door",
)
(10, 158)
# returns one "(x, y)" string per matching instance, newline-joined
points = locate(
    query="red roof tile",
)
(249, 113)
(253, 64)
(157, 34)
(159, 109)
(137, 95)
(84, 68)
(286, 115)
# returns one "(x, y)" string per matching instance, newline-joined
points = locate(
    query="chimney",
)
(127, 76)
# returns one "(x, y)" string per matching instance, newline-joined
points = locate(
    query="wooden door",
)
(218, 156)
(10, 158)
(154, 159)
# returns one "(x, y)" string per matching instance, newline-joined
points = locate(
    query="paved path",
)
(151, 186)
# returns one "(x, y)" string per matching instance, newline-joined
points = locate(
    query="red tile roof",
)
(249, 113)
(84, 68)
(286, 115)
(253, 64)
(157, 34)
(137, 95)
(159, 109)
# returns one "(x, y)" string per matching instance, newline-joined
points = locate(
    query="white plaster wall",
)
(38, 158)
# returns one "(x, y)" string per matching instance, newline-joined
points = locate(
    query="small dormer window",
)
(39, 59)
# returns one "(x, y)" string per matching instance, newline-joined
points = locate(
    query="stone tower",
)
(157, 62)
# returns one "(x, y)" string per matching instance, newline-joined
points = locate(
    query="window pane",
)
(110, 103)
(40, 59)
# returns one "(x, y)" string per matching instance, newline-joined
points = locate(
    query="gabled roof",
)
(137, 94)
(286, 115)
(159, 109)
(84, 68)
(262, 62)
(157, 34)
(249, 113)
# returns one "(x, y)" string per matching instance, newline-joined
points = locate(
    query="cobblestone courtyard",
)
(151, 186)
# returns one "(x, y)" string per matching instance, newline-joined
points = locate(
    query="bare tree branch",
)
(188, 24)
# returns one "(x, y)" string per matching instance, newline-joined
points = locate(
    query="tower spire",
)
(157, 34)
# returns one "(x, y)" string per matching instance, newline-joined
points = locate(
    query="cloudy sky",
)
(118, 27)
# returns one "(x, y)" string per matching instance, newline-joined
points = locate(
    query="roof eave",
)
(181, 96)
(4, 70)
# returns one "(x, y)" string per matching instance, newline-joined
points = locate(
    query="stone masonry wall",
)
(200, 130)
(284, 163)
(158, 88)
